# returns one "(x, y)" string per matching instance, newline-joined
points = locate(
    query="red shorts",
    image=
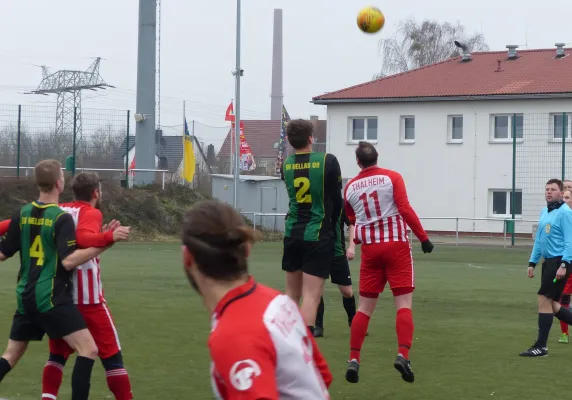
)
(386, 262)
(568, 287)
(101, 327)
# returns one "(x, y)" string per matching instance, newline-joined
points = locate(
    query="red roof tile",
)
(535, 72)
(260, 136)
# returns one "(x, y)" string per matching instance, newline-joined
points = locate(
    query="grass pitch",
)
(474, 311)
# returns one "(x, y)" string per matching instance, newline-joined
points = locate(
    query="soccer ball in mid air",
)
(370, 19)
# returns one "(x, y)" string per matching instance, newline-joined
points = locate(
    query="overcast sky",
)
(323, 48)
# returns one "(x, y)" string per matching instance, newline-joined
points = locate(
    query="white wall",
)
(445, 179)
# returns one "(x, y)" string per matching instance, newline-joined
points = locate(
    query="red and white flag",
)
(229, 116)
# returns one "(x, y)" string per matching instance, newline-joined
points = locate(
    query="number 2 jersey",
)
(314, 183)
(376, 203)
(261, 348)
(44, 235)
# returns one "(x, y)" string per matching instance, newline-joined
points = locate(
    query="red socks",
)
(118, 383)
(404, 329)
(52, 380)
(564, 325)
(357, 336)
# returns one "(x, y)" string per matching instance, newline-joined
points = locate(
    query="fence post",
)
(513, 193)
(457, 231)
(127, 153)
(74, 139)
(19, 140)
(564, 134)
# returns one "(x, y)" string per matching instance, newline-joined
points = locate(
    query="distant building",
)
(448, 129)
(262, 136)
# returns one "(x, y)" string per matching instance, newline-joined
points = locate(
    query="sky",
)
(323, 49)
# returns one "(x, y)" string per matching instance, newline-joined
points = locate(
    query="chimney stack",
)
(276, 96)
(560, 50)
(512, 55)
(466, 56)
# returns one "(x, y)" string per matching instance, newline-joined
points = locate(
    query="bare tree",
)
(418, 44)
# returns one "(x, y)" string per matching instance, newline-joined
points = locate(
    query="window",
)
(561, 125)
(503, 125)
(501, 202)
(455, 127)
(364, 128)
(407, 134)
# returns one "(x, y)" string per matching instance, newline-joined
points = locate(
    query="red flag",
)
(132, 166)
(229, 116)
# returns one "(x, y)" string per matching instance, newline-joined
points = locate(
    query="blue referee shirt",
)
(554, 235)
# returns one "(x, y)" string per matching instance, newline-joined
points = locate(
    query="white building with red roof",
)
(448, 128)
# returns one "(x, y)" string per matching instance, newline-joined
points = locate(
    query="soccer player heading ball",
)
(259, 344)
(314, 184)
(376, 203)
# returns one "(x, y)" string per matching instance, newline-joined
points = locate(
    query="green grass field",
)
(474, 311)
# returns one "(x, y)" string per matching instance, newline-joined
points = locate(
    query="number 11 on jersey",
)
(364, 198)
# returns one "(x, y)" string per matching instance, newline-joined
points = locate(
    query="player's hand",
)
(121, 233)
(351, 252)
(114, 224)
(530, 272)
(427, 246)
(561, 272)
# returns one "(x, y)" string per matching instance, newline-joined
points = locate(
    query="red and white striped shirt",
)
(376, 203)
(87, 287)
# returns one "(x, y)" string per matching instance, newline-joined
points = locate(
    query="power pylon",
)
(68, 84)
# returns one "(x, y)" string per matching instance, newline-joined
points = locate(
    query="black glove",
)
(531, 264)
(427, 246)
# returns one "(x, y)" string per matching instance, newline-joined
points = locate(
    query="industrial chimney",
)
(512, 55)
(276, 96)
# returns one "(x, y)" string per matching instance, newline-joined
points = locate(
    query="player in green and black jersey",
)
(313, 182)
(44, 235)
(340, 274)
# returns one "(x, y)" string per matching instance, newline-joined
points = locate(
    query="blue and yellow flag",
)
(188, 172)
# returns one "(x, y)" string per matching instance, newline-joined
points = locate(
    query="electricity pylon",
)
(68, 84)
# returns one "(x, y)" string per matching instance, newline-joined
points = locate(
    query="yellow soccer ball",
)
(370, 19)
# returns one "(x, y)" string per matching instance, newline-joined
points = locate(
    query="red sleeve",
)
(350, 214)
(4, 226)
(321, 362)
(405, 209)
(88, 230)
(248, 368)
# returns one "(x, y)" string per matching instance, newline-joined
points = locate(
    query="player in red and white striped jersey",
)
(260, 345)
(376, 203)
(88, 292)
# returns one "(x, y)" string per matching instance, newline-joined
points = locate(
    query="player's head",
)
(567, 184)
(567, 197)
(366, 155)
(216, 244)
(553, 190)
(300, 134)
(86, 186)
(49, 176)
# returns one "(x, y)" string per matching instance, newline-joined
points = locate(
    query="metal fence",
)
(453, 235)
(29, 134)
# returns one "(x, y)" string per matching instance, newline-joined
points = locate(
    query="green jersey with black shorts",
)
(313, 183)
(44, 235)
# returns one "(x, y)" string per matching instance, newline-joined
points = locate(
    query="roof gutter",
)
(447, 98)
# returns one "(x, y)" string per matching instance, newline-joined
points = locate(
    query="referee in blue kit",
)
(553, 243)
